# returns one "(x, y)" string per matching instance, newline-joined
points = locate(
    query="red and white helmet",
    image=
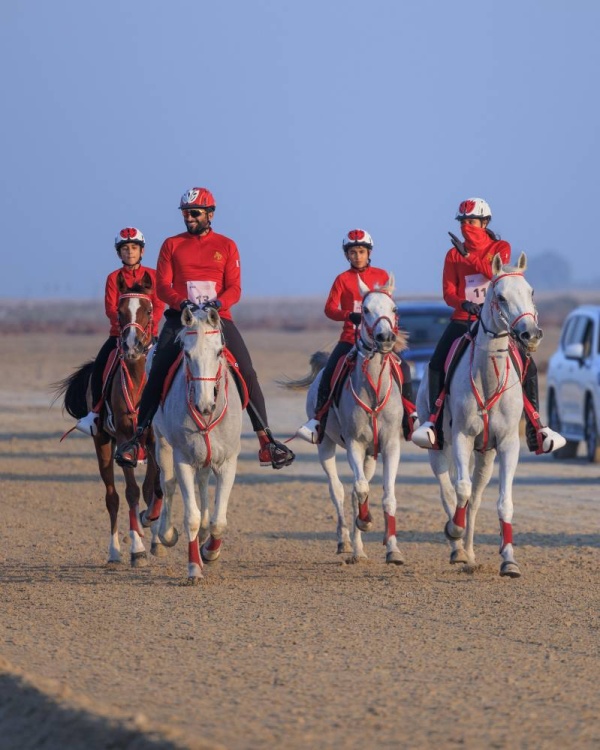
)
(473, 208)
(197, 197)
(357, 237)
(129, 234)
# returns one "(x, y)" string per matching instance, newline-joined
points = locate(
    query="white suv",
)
(574, 383)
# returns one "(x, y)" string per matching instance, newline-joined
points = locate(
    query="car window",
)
(424, 328)
(575, 331)
(567, 331)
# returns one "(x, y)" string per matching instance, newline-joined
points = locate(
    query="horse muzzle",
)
(530, 338)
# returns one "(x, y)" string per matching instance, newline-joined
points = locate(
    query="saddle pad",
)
(109, 370)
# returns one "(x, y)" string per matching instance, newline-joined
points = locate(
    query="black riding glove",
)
(471, 307)
(355, 318)
(188, 304)
(215, 304)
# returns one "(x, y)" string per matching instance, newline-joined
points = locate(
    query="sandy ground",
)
(284, 645)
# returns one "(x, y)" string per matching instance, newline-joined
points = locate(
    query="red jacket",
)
(199, 268)
(111, 296)
(468, 278)
(345, 296)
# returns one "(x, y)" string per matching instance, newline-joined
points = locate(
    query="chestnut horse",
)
(118, 420)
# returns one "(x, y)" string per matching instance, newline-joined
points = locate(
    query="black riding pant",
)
(98, 369)
(167, 349)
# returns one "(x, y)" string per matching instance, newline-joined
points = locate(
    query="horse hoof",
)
(510, 569)
(139, 559)
(112, 564)
(211, 555)
(458, 556)
(192, 581)
(366, 525)
(169, 541)
(157, 549)
(394, 558)
(452, 531)
(356, 559)
(145, 521)
(344, 547)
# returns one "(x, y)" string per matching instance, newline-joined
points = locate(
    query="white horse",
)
(367, 421)
(198, 431)
(482, 412)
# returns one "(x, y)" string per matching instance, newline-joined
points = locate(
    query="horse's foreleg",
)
(363, 521)
(191, 515)
(391, 459)
(508, 459)
(225, 476)
(438, 461)
(153, 497)
(482, 473)
(167, 533)
(104, 453)
(203, 478)
(138, 555)
(462, 448)
(336, 492)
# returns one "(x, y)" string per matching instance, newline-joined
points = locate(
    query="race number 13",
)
(201, 291)
(475, 287)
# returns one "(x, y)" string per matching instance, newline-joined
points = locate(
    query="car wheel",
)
(570, 449)
(591, 433)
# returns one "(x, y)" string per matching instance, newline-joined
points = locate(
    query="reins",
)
(127, 385)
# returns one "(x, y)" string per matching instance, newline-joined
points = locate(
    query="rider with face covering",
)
(129, 244)
(200, 268)
(466, 276)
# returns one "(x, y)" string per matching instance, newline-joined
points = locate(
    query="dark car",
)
(424, 321)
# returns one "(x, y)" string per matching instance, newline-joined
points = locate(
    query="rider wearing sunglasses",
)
(200, 268)
(467, 274)
(129, 244)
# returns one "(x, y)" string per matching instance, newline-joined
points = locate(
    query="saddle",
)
(233, 367)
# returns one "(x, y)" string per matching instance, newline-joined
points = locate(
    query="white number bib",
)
(357, 306)
(201, 291)
(475, 288)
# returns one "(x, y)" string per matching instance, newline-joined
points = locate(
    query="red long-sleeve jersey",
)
(468, 278)
(111, 296)
(345, 296)
(199, 268)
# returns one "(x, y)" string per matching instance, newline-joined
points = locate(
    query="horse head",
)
(509, 305)
(379, 328)
(205, 367)
(135, 317)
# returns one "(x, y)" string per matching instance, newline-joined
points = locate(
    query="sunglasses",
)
(194, 212)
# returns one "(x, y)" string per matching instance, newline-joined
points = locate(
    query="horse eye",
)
(501, 298)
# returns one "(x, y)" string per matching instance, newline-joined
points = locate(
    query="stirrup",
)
(425, 436)
(127, 453)
(275, 454)
(549, 440)
(88, 424)
(310, 431)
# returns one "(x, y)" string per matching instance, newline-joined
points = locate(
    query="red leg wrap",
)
(134, 521)
(506, 534)
(390, 526)
(460, 517)
(213, 544)
(194, 552)
(363, 511)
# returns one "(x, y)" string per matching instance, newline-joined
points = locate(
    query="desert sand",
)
(284, 644)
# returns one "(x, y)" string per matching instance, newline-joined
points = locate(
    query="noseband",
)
(495, 306)
(145, 330)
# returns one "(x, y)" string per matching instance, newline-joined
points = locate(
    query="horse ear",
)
(391, 283)
(212, 317)
(121, 285)
(187, 317)
(522, 262)
(147, 281)
(496, 264)
(362, 287)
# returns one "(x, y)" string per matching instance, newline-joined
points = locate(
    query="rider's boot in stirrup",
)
(429, 434)
(88, 424)
(273, 453)
(540, 439)
(127, 453)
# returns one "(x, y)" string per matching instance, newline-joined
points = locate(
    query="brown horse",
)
(118, 419)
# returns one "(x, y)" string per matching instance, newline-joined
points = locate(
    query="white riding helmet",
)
(357, 237)
(129, 234)
(473, 208)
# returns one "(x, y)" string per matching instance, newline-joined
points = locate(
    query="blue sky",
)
(305, 120)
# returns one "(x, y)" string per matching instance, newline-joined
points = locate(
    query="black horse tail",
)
(74, 389)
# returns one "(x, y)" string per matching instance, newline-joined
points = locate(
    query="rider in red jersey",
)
(201, 268)
(466, 276)
(344, 304)
(129, 244)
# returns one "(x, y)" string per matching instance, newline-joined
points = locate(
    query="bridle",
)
(496, 309)
(205, 426)
(372, 346)
(146, 330)
(128, 388)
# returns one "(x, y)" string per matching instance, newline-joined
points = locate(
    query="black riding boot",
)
(530, 389)
(436, 385)
(407, 393)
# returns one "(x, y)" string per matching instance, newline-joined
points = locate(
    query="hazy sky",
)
(305, 119)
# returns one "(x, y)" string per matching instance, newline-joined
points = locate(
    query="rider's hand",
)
(216, 304)
(355, 318)
(471, 307)
(187, 304)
